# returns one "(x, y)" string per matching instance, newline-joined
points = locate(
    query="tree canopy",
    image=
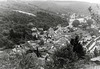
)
(76, 23)
(89, 22)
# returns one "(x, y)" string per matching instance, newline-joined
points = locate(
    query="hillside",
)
(48, 6)
(44, 35)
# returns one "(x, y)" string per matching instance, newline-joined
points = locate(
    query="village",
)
(46, 42)
(34, 37)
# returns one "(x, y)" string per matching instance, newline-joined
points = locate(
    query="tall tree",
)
(77, 47)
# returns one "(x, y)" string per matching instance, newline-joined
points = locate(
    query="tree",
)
(29, 61)
(42, 20)
(49, 20)
(18, 18)
(41, 42)
(96, 53)
(64, 55)
(5, 32)
(70, 29)
(44, 26)
(89, 22)
(20, 33)
(30, 25)
(77, 47)
(5, 43)
(76, 23)
(84, 25)
(94, 15)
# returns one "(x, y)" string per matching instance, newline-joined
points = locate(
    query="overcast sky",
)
(91, 1)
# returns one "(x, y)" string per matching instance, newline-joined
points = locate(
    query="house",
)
(40, 29)
(51, 32)
(63, 41)
(73, 16)
(81, 20)
(32, 44)
(93, 44)
(34, 29)
(94, 26)
(59, 31)
(35, 32)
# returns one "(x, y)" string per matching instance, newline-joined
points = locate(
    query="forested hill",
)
(49, 6)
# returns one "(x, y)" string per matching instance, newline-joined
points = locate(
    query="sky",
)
(91, 1)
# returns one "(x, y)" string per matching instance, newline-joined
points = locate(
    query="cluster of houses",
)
(91, 36)
(53, 39)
